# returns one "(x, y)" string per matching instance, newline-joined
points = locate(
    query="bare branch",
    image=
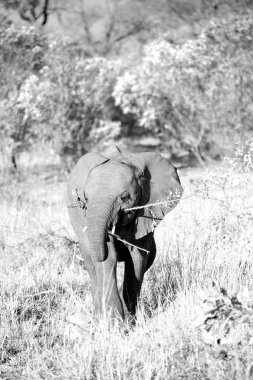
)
(45, 12)
(126, 242)
(24, 15)
(165, 202)
(134, 30)
(27, 11)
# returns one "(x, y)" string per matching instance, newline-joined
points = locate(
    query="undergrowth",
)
(195, 314)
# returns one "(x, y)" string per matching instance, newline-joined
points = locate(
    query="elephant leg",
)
(107, 289)
(135, 267)
(123, 254)
(136, 264)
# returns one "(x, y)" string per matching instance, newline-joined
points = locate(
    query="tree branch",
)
(45, 12)
(134, 30)
(27, 11)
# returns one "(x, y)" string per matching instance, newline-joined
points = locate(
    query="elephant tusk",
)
(113, 229)
(85, 228)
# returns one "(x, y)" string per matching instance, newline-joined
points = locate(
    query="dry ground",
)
(47, 330)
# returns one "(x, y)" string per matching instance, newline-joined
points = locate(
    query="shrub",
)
(69, 103)
(52, 96)
(194, 92)
(191, 95)
(22, 54)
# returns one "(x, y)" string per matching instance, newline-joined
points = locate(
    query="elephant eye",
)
(125, 197)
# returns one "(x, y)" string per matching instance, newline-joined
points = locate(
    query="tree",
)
(108, 15)
(30, 10)
(103, 26)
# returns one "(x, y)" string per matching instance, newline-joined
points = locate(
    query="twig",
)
(126, 242)
(158, 203)
(45, 12)
(147, 205)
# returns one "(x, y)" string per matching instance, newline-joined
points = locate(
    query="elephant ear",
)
(80, 173)
(161, 189)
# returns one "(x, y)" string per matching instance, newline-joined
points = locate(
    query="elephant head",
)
(112, 189)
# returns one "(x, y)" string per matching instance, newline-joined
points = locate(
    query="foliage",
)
(22, 54)
(52, 95)
(69, 103)
(195, 96)
(122, 27)
(194, 92)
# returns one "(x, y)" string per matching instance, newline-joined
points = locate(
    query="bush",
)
(52, 96)
(22, 54)
(194, 92)
(69, 103)
(191, 95)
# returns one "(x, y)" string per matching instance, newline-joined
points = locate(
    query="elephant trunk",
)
(99, 215)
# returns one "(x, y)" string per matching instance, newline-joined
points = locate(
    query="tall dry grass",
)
(186, 328)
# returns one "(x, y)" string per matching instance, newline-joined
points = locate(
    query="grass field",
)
(195, 318)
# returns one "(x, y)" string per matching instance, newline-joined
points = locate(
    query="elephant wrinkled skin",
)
(101, 189)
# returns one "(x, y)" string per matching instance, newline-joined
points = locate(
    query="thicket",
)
(192, 95)
(22, 54)
(195, 93)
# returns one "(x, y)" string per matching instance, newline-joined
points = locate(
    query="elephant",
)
(107, 194)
